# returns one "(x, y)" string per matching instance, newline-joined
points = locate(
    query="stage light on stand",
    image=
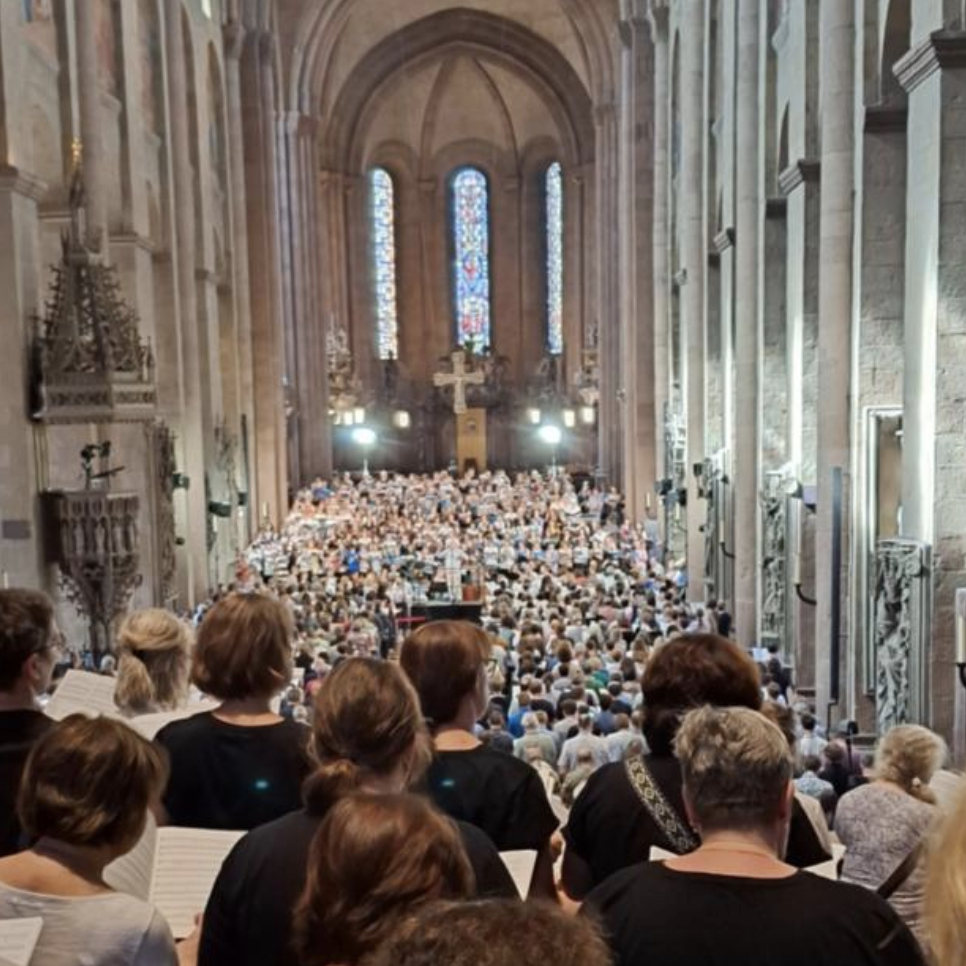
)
(552, 436)
(365, 438)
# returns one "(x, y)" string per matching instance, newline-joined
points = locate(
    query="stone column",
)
(91, 117)
(234, 35)
(694, 262)
(837, 80)
(660, 375)
(748, 190)
(934, 442)
(192, 435)
(637, 273)
(611, 391)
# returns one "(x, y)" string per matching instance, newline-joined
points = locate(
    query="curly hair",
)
(494, 932)
(908, 756)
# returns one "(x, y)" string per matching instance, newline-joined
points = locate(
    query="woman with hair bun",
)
(367, 736)
(884, 825)
(154, 654)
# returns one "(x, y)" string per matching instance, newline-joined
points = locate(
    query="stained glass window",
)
(555, 230)
(382, 216)
(471, 250)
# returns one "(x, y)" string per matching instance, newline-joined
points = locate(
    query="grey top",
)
(110, 929)
(880, 825)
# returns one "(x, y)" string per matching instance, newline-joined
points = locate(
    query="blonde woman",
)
(945, 904)
(154, 654)
(884, 825)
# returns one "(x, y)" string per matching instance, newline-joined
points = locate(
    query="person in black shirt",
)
(734, 900)
(500, 794)
(240, 765)
(368, 734)
(29, 645)
(611, 825)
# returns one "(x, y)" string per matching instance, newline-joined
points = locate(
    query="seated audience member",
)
(629, 806)
(734, 900)
(493, 933)
(498, 793)
(84, 802)
(367, 735)
(375, 860)
(29, 645)
(944, 909)
(240, 765)
(154, 654)
(885, 823)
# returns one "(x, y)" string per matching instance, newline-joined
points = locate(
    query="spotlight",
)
(364, 436)
(551, 435)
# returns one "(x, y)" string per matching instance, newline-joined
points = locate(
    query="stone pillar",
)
(612, 392)
(748, 190)
(637, 273)
(837, 80)
(234, 35)
(934, 442)
(192, 434)
(660, 375)
(269, 436)
(91, 117)
(694, 262)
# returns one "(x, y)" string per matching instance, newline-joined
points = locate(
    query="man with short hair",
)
(29, 646)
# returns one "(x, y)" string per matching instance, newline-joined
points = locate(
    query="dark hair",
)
(244, 648)
(89, 781)
(494, 932)
(812, 763)
(444, 661)
(374, 859)
(808, 721)
(688, 672)
(26, 620)
(784, 717)
(366, 721)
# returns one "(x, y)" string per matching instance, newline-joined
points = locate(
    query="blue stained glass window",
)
(382, 219)
(555, 267)
(471, 267)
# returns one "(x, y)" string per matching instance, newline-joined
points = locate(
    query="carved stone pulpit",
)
(98, 554)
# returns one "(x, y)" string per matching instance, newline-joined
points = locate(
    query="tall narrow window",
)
(382, 221)
(471, 257)
(554, 270)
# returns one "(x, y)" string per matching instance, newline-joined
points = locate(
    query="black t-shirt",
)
(19, 731)
(610, 828)
(497, 793)
(248, 921)
(655, 916)
(226, 776)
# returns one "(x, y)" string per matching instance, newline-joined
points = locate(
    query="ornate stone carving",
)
(773, 506)
(344, 390)
(900, 632)
(93, 366)
(710, 483)
(98, 555)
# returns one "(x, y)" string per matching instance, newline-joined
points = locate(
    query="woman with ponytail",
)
(885, 825)
(368, 736)
(154, 653)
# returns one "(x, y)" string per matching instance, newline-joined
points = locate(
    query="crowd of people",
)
(675, 792)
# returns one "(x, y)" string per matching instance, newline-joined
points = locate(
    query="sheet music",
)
(187, 862)
(18, 939)
(132, 873)
(520, 865)
(84, 692)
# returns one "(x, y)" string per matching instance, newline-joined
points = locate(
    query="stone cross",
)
(459, 379)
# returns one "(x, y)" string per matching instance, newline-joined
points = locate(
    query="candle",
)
(677, 512)
(796, 569)
(6, 580)
(264, 510)
(721, 532)
(961, 626)
(647, 501)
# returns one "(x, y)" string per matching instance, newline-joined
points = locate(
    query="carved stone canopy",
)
(93, 365)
